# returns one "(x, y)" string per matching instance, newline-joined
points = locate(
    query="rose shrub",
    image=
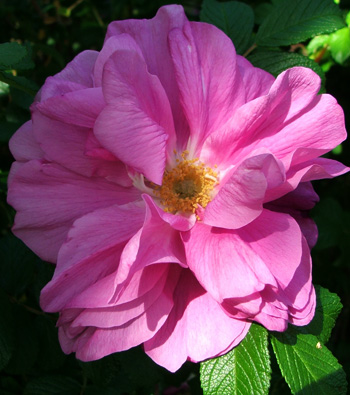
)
(169, 179)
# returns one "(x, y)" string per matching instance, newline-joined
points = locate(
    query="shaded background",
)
(56, 31)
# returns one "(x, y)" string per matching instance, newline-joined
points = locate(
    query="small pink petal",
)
(180, 222)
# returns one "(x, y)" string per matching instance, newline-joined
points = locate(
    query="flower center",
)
(187, 186)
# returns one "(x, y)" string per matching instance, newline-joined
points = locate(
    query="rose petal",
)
(205, 70)
(156, 242)
(23, 145)
(79, 107)
(152, 38)
(196, 329)
(39, 192)
(137, 125)
(240, 200)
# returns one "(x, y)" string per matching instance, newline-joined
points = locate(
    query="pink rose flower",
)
(169, 179)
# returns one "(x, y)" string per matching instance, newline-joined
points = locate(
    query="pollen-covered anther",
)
(187, 186)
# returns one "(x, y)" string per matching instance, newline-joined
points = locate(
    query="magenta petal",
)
(315, 169)
(107, 341)
(248, 258)
(77, 108)
(110, 46)
(290, 117)
(80, 69)
(90, 256)
(23, 145)
(240, 200)
(152, 38)
(156, 242)
(257, 82)
(304, 316)
(65, 144)
(180, 222)
(78, 74)
(121, 313)
(137, 123)
(223, 263)
(39, 193)
(207, 76)
(196, 329)
(106, 293)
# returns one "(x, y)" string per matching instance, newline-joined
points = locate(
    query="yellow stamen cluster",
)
(186, 186)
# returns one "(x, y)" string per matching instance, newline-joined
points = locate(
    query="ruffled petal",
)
(196, 329)
(208, 79)
(89, 256)
(78, 74)
(244, 257)
(80, 107)
(23, 145)
(40, 191)
(290, 117)
(315, 169)
(256, 82)
(156, 242)
(179, 222)
(152, 38)
(91, 343)
(120, 313)
(65, 144)
(137, 124)
(240, 200)
(80, 69)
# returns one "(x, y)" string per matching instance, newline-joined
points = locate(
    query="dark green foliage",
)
(234, 18)
(37, 39)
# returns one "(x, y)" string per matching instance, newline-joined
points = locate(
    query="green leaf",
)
(317, 43)
(328, 307)
(19, 82)
(244, 370)
(15, 56)
(53, 385)
(307, 365)
(233, 18)
(340, 45)
(292, 22)
(277, 61)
